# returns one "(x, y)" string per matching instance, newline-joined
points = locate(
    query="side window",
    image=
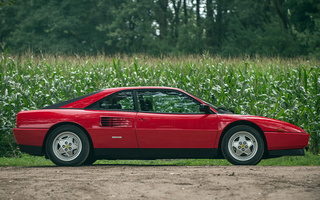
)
(118, 101)
(166, 101)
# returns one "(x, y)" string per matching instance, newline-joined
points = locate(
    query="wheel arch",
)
(247, 123)
(63, 124)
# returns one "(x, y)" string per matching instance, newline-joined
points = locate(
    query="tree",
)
(161, 13)
(176, 7)
(282, 13)
(225, 27)
(209, 24)
(185, 12)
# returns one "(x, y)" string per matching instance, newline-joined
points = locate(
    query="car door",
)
(171, 119)
(113, 120)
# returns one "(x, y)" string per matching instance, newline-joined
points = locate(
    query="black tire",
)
(91, 158)
(89, 161)
(243, 145)
(67, 146)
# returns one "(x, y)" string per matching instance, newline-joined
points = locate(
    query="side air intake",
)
(116, 122)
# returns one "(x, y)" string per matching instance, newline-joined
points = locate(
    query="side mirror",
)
(204, 108)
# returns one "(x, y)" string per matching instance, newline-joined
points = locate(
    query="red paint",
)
(150, 130)
(32, 137)
(156, 130)
(280, 140)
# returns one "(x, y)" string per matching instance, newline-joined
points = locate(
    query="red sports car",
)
(151, 123)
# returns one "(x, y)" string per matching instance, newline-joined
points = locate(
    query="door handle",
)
(144, 119)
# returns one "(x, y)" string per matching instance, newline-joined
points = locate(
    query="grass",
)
(285, 89)
(25, 160)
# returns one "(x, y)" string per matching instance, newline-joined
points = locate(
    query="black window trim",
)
(165, 89)
(136, 103)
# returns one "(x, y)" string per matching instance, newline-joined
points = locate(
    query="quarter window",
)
(118, 101)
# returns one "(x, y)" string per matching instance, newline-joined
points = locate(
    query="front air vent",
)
(116, 122)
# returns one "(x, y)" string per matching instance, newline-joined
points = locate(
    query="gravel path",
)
(160, 182)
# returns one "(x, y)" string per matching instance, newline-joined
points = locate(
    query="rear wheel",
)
(243, 145)
(68, 146)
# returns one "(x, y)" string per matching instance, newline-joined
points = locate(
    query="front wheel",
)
(68, 146)
(243, 145)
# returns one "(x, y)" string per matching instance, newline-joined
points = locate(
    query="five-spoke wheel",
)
(68, 146)
(243, 145)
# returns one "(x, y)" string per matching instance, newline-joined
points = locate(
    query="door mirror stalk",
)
(205, 108)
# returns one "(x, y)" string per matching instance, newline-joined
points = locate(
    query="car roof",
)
(140, 87)
(86, 100)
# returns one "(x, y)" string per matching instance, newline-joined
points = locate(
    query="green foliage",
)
(4, 3)
(303, 14)
(288, 90)
(234, 27)
(308, 160)
(35, 161)
(25, 160)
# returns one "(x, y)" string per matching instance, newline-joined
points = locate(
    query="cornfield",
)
(285, 89)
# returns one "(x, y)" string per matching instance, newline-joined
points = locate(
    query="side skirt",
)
(150, 154)
(32, 150)
(286, 152)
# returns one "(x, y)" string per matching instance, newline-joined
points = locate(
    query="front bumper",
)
(284, 141)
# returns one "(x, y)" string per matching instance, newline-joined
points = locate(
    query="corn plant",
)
(285, 89)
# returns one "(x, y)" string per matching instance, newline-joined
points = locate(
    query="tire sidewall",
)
(84, 150)
(260, 151)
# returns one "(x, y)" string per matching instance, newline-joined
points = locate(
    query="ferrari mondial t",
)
(151, 123)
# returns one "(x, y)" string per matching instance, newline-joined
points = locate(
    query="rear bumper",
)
(31, 137)
(286, 152)
(30, 140)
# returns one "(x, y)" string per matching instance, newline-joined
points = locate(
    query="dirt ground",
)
(160, 182)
